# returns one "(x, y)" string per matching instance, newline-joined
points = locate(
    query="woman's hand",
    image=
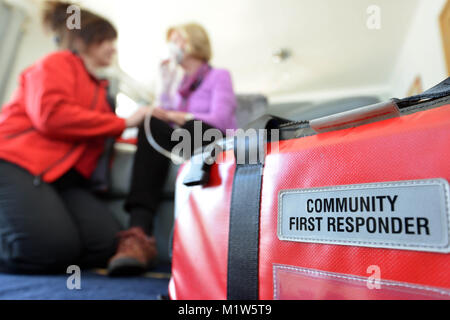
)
(138, 117)
(161, 114)
(179, 118)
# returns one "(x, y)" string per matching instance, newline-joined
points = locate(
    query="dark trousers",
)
(47, 228)
(150, 172)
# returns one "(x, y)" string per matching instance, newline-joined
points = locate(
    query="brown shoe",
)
(134, 254)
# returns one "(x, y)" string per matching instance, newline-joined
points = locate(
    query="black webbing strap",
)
(243, 241)
(243, 244)
(198, 174)
(439, 91)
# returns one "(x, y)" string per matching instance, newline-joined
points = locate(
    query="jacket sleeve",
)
(223, 103)
(52, 108)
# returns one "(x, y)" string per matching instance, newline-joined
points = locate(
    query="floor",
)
(95, 285)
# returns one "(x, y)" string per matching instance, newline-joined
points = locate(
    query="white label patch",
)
(409, 215)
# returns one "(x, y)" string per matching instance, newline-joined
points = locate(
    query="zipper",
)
(94, 101)
(18, 134)
(37, 181)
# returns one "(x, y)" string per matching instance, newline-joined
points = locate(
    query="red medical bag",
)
(350, 206)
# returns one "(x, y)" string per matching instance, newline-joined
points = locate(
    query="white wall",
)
(422, 52)
(34, 45)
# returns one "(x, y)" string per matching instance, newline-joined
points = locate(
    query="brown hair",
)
(94, 28)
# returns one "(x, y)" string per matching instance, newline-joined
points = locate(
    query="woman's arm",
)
(51, 106)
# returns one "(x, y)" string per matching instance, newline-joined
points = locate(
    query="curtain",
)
(11, 31)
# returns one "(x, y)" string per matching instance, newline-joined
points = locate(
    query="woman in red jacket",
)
(52, 134)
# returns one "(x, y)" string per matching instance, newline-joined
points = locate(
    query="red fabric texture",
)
(411, 147)
(58, 119)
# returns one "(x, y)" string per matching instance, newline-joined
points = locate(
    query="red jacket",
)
(58, 119)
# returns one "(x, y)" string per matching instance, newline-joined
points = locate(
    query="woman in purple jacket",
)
(206, 95)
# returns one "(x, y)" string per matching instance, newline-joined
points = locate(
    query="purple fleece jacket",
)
(214, 102)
